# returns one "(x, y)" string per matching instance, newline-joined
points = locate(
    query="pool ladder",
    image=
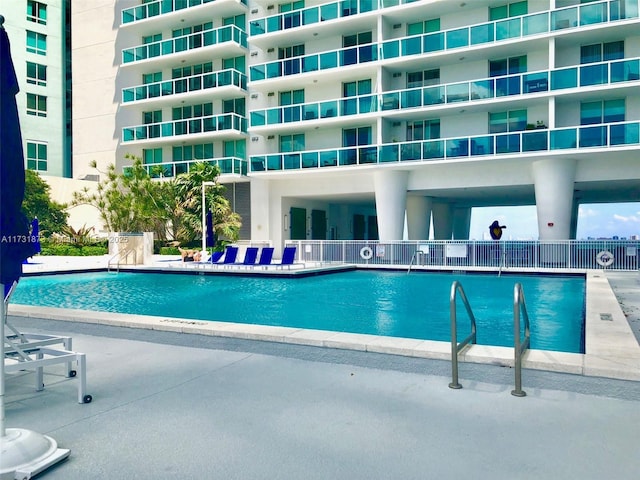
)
(123, 255)
(520, 344)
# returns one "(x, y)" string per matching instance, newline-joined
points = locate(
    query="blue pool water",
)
(395, 304)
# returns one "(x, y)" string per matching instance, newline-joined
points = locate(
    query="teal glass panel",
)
(457, 147)
(258, 164)
(593, 136)
(367, 155)
(310, 15)
(433, 149)
(310, 160)
(257, 118)
(508, 143)
(625, 134)
(329, 12)
(593, 75)
(482, 33)
(328, 158)
(291, 161)
(348, 56)
(310, 63)
(274, 23)
(433, 42)
(310, 111)
(274, 69)
(566, 78)
(506, 29)
(563, 139)
(508, 85)
(367, 5)
(128, 95)
(328, 60)
(457, 38)
(433, 95)
(389, 153)
(458, 93)
(625, 71)
(538, 23)
(167, 129)
(594, 13)
(410, 151)
(367, 53)
(367, 104)
(256, 27)
(349, 106)
(390, 101)
(128, 56)
(482, 145)
(348, 156)
(274, 162)
(391, 49)
(482, 89)
(257, 73)
(329, 109)
(411, 46)
(534, 141)
(411, 98)
(536, 82)
(128, 134)
(167, 47)
(566, 18)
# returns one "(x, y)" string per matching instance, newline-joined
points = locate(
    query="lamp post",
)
(204, 215)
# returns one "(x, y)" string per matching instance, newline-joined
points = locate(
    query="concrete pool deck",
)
(168, 405)
(612, 349)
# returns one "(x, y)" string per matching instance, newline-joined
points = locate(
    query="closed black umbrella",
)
(23, 453)
(211, 236)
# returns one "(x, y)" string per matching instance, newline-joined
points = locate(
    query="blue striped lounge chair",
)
(230, 255)
(265, 256)
(250, 256)
(288, 256)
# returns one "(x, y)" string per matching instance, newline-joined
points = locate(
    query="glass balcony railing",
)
(227, 165)
(587, 136)
(193, 83)
(531, 82)
(159, 7)
(206, 38)
(540, 22)
(188, 126)
(490, 32)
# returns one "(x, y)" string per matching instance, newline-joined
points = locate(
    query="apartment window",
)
(423, 130)
(352, 137)
(191, 70)
(292, 143)
(357, 39)
(180, 32)
(353, 89)
(148, 78)
(512, 121)
(423, 79)
(151, 155)
(602, 52)
(603, 111)
(36, 105)
(193, 111)
(290, 52)
(152, 117)
(508, 66)
(36, 43)
(237, 20)
(364, 104)
(187, 153)
(291, 97)
(427, 26)
(506, 11)
(234, 148)
(36, 12)
(288, 7)
(235, 105)
(37, 156)
(239, 63)
(36, 74)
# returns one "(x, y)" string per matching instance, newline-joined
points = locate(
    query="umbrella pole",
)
(23, 453)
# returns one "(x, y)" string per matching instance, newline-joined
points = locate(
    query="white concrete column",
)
(442, 221)
(391, 202)
(260, 223)
(461, 223)
(418, 217)
(553, 181)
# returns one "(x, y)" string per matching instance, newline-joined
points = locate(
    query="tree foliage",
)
(132, 201)
(37, 203)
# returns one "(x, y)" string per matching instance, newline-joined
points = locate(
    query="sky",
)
(594, 220)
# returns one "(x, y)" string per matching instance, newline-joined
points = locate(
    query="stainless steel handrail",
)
(456, 288)
(520, 345)
(120, 256)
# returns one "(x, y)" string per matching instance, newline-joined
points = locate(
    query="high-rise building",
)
(368, 119)
(40, 39)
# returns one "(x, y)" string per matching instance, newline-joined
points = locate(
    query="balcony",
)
(206, 38)
(603, 73)
(485, 33)
(227, 166)
(227, 123)
(611, 135)
(176, 86)
(159, 7)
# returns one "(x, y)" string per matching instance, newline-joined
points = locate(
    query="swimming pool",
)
(386, 303)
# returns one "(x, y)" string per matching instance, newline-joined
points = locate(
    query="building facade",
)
(40, 48)
(365, 119)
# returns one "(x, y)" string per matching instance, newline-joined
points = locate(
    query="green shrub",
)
(169, 251)
(72, 250)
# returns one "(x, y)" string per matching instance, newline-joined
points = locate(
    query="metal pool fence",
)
(470, 254)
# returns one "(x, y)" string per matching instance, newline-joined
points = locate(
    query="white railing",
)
(479, 255)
